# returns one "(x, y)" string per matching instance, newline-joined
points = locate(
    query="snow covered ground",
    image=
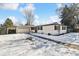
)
(18, 45)
(66, 38)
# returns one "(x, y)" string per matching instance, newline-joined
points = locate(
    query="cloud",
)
(12, 6)
(50, 20)
(59, 5)
(1, 21)
(23, 22)
(16, 22)
(28, 8)
(36, 17)
(53, 19)
(36, 21)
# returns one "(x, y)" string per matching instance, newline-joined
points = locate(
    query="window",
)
(63, 28)
(39, 27)
(56, 27)
(32, 28)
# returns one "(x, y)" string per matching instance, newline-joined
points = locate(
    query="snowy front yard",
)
(19, 45)
(66, 38)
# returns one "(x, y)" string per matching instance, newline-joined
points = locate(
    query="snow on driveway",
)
(18, 45)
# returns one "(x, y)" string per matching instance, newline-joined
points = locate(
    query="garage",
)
(11, 31)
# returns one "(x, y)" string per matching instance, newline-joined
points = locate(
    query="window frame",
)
(56, 27)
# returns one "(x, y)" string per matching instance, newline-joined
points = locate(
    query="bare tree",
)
(29, 14)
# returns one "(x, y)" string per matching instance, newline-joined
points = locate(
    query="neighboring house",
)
(54, 29)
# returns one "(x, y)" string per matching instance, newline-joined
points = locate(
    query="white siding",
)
(63, 31)
(50, 29)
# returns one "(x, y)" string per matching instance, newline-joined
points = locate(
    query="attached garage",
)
(11, 30)
(22, 29)
(19, 29)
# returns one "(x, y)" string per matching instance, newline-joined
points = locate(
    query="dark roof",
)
(51, 24)
(55, 23)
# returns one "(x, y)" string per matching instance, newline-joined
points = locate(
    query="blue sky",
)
(45, 12)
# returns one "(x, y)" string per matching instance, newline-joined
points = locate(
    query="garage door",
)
(11, 31)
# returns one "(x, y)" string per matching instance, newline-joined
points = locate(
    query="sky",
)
(45, 13)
